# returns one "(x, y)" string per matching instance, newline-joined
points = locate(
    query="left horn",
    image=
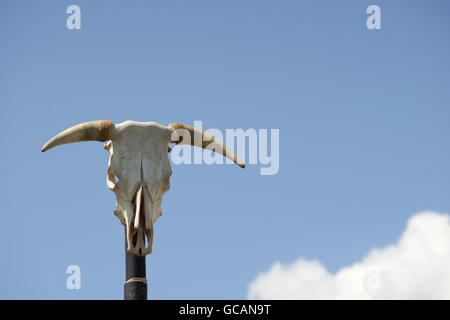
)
(87, 131)
(205, 141)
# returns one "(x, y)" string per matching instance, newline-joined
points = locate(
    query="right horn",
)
(204, 140)
(87, 131)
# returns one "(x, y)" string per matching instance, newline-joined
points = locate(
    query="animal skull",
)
(139, 160)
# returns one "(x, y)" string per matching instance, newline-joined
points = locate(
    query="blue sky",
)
(364, 134)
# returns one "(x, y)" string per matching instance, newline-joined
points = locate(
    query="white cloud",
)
(416, 267)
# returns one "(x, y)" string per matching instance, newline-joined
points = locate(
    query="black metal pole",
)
(135, 287)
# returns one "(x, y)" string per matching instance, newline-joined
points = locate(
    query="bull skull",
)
(139, 159)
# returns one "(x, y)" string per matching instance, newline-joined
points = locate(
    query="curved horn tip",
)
(45, 147)
(98, 130)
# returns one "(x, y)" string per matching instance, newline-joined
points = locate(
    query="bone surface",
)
(139, 161)
(139, 169)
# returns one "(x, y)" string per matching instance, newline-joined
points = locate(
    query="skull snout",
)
(139, 231)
